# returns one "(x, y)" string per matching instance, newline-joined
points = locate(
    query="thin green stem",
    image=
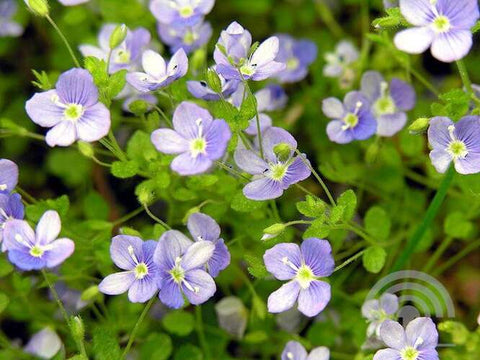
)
(121, 155)
(100, 162)
(329, 19)
(462, 69)
(430, 215)
(231, 170)
(133, 334)
(437, 254)
(79, 342)
(128, 216)
(162, 113)
(257, 120)
(454, 259)
(318, 177)
(424, 81)
(160, 221)
(201, 333)
(298, 222)
(349, 260)
(64, 39)
(26, 195)
(109, 59)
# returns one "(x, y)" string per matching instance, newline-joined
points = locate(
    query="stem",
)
(128, 216)
(438, 253)
(432, 211)
(137, 326)
(348, 261)
(160, 221)
(121, 155)
(317, 176)
(200, 332)
(462, 69)
(424, 81)
(80, 343)
(64, 39)
(257, 119)
(109, 58)
(329, 20)
(472, 247)
(161, 112)
(26, 195)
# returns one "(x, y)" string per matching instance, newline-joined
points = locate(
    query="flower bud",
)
(282, 151)
(139, 107)
(90, 293)
(273, 231)
(38, 7)
(213, 81)
(419, 126)
(78, 329)
(86, 149)
(118, 36)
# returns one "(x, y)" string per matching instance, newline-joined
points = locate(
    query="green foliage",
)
(378, 223)
(157, 346)
(124, 169)
(374, 259)
(35, 211)
(179, 322)
(455, 104)
(311, 207)
(105, 344)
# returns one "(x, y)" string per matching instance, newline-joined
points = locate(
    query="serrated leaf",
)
(256, 266)
(318, 229)
(241, 204)
(35, 211)
(349, 201)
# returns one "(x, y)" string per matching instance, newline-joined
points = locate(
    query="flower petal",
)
(275, 260)
(314, 299)
(117, 283)
(297, 171)
(48, 227)
(61, 249)
(250, 162)
(274, 136)
(219, 260)
(390, 124)
(217, 136)
(372, 85)
(318, 256)
(178, 65)
(333, 108)
(94, 124)
(42, 109)
(185, 164)
(393, 335)
(462, 14)
(294, 351)
(142, 290)
(389, 303)
(203, 227)
(170, 294)
(17, 234)
(423, 332)
(337, 134)
(403, 94)
(62, 134)
(154, 64)
(120, 249)
(263, 189)
(197, 255)
(417, 12)
(452, 46)
(76, 86)
(8, 175)
(172, 244)
(23, 260)
(319, 353)
(441, 160)
(438, 135)
(168, 141)
(266, 52)
(414, 40)
(186, 119)
(203, 285)
(44, 344)
(284, 298)
(387, 354)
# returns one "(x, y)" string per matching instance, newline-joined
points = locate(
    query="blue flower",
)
(8, 27)
(180, 12)
(297, 55)
(188, 38)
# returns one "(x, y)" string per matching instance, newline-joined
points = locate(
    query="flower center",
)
(441, 24)
(384, 105)
(189, 38)
(186, 11)
(177, 273)
(198, 146)
(350, 120)
(305, 276)
(122, 57)
(278, 171)
(36, 251)
(409, 353)
(457, 149)
(248, 69)
(73, 111)
(293, 63)
(141, 270)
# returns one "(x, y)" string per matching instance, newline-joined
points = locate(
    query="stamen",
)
(290, 356)
(199, 123)
(195, 289)
(291, 265)
(418, 342)
(22, 241)
(358, 105)
(383, 88)
(3, 187)
(451, 131)
(132, 254)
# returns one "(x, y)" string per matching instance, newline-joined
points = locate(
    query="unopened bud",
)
(273, 231)
(213, 81)
(90, 293)
(78, 329)
(419, 126)
(118, 36)
(282, 151)
(139, 107)
(86, 149)
(38, 7)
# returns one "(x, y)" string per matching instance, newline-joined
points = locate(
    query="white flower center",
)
(409, 353)
(73, 112)
(278, 171)
(351, 119)
(441, 24)
(186, 11)
(304, 274)
(178, 275)
(199, 144)
(456, 148)
(122, 56)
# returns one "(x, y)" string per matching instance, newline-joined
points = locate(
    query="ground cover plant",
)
(239, 179)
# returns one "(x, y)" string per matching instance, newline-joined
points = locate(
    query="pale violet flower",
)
(295, 351)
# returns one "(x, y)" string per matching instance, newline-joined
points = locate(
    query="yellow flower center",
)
(73, 111)
(36, 251)
(292, 63)
(441, 24)
(409, 353)
(141, 270)
(186, 11)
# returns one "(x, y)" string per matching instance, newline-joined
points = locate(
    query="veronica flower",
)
(135, 256)
(271, 98)
(443, 25)
(180, 12)
(39, 249)
(8, 175)
(278, 171)
(189, 38)
(72, 110)
(303, 266)
(352, 120)
(181, 269)
(376, 311)
(127, 55)
(73, 2)
(201, 90)
(44, 344)
(130, 94)
(158, 73)
(233, 58)
(458, 142)
(390, 101)
(265, 123)
(196, 136)
(417, 341)
(295, 351)
(203, 228)
(8, 27)
(339, 61)
(297, 55)
(11, 207)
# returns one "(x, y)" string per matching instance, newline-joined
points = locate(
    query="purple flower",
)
(338, 62)
(8, 175)
(130, 94)
(201, 90)
(390, 101)
(44, 344)
(8, 27)
(265, 122)
(203, 228)
(295, 351)
(196, 136)
(157, 73)
(443, 24)
(271, 98)
(278, 171)
(72, 2)
(72, 110)
(376, 311)
(352, 120)
(297, 55)
(31, 250)
(189, 38)
(417, 341)
(181, 269)
(180, 12)
(11, 207)
(135, 256)
(238, 63)
(125, 56)
(458, 142)
(303, 266)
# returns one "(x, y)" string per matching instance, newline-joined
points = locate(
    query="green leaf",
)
(140, 147)
(5, 267)
(241, 204)
(318, 229)
(95, 206)
(349, 201)
(248, 109)
(457, 226)
(124, 169)
(179, 322)
(456, 104)
(188, 352)
(393, 19)
(60, 162)
(311, 207)
(256, 267)
(35, 211)
(158, 346)
(374, 259)
(105, 344)
(4, 300)
(42, 80)
(377, 223)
